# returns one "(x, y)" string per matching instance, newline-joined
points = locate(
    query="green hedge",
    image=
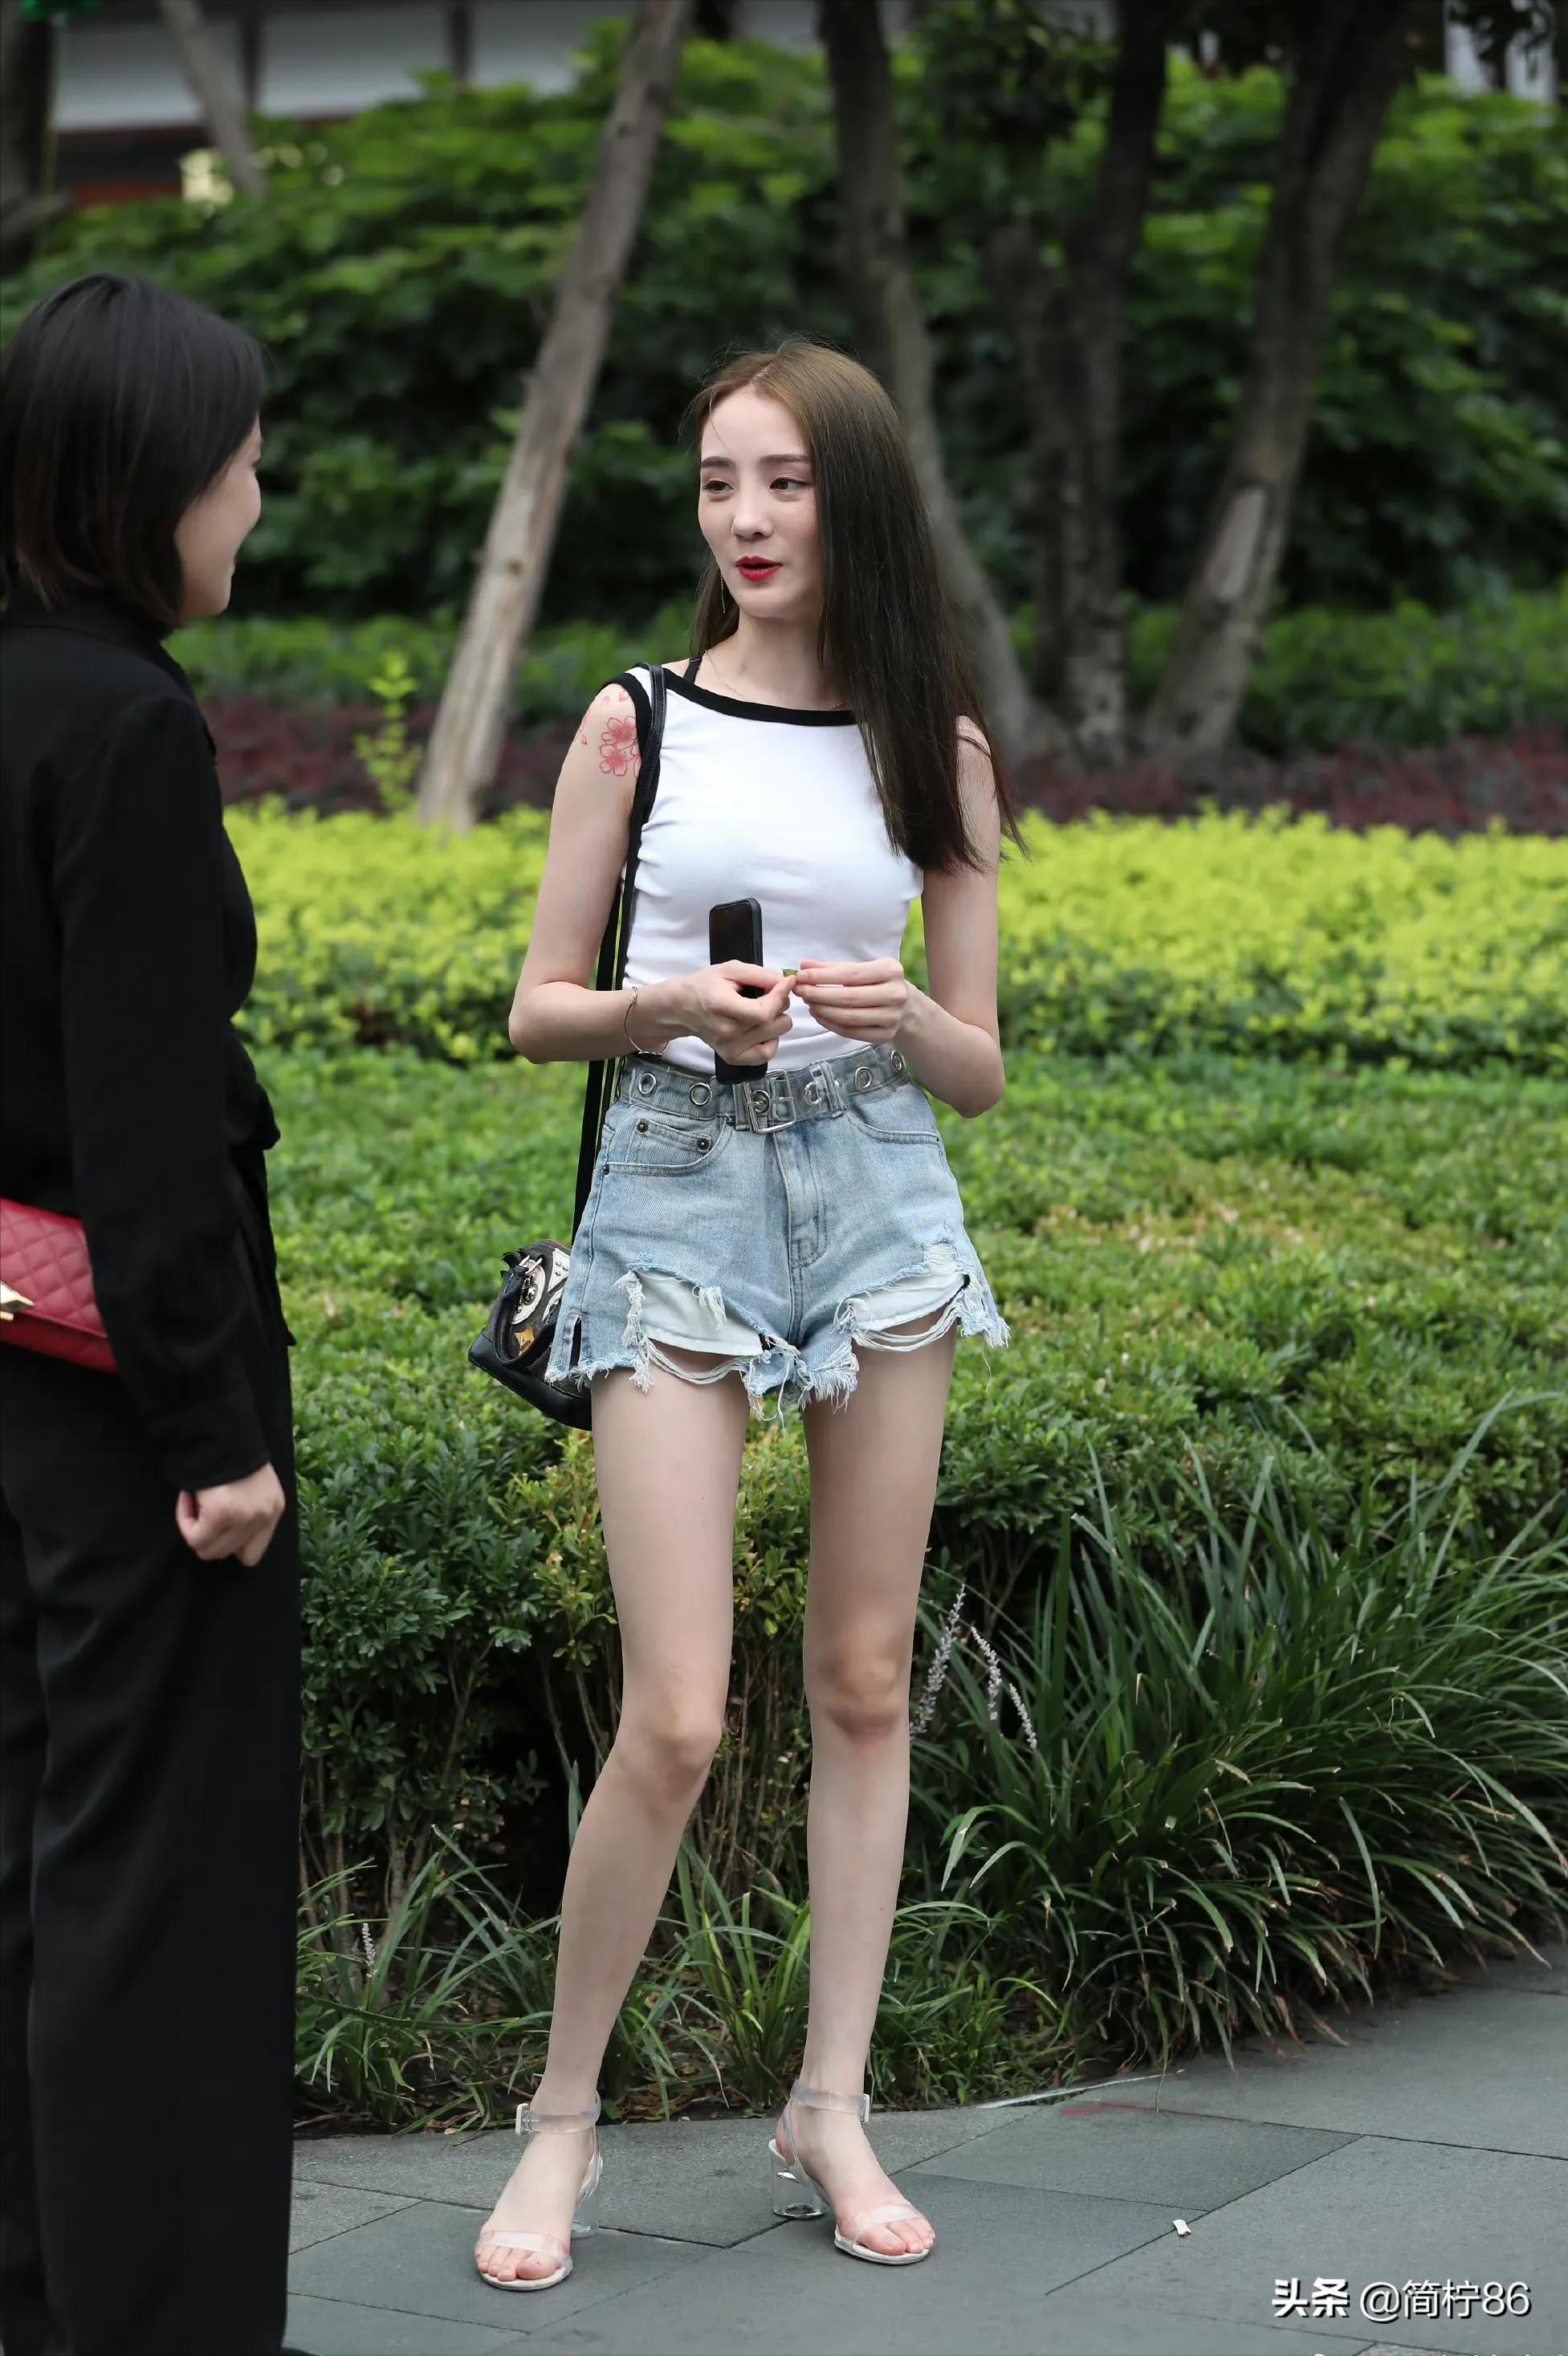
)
(1156, 1811)
(1322, 678)
(1218, 1275)
(1290, 1331)
(1345, 1272)
(403, 263)
(1123, 936)
(310, 659)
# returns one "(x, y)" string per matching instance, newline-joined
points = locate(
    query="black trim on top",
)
(738, 710)
(640, 704)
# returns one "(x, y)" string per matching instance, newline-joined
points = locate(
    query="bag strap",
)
(602, 1076)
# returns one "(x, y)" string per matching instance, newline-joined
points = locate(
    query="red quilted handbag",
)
(46, 1288)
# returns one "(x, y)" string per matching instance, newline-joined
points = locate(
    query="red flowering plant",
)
(308, 754)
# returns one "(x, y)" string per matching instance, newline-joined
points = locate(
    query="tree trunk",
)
(27, 76)
(1347, 69)
(1069, 328)
(891, 330)
(1102, 248)
(465, 743)
(220, 109)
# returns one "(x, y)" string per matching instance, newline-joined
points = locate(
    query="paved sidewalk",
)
(1430, 2149)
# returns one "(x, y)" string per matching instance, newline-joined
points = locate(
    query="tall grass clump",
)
(1188, 1791)
(1282, 1773)
(438, 2014)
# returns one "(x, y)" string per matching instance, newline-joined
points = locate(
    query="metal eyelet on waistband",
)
(898, 1061)
(699, 1092)
(647, 1082)
(761, 1100)
(812, 1091)
(863, 1076)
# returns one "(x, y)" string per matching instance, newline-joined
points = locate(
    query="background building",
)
(125, 117)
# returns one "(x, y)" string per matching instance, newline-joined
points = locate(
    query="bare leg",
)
(668, 1464)
(873, 1481)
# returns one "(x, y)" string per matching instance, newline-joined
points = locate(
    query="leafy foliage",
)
(1284, 1767)
(1124, 936)
(1438, 462)
(1322, 678)
(403, 264)
(1283, 1771)
(439, 2015)
(1222, 1263)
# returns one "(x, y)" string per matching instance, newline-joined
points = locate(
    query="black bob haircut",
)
(120, 404)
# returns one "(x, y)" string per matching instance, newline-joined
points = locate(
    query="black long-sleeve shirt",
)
(127, 944)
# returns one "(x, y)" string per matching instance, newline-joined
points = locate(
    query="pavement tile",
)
(1477, 2066)
(329, 2327)
(467, 2169)
(707, 2181)
(1002, 2250)
(1548, 1978)
(1374, 2211)
(1075, 2323)
(322, 2210)
(421, 2262)
(1125, 2151)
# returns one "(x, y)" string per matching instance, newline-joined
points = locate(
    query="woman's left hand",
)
(867, 1002)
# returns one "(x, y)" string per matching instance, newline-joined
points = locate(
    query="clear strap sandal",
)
(796, 2192)
(531, 2123)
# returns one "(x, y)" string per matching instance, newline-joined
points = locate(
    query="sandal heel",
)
(796, 2192)
(793, 2197)
(585, 2219)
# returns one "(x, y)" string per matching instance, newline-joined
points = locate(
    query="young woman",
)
(149, 1571)
(824, 753)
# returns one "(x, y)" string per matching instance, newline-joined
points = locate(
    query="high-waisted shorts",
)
(775, 1229)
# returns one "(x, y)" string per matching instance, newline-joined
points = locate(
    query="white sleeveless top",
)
(755, 802)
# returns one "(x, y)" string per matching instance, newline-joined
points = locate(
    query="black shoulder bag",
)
(519, 1332)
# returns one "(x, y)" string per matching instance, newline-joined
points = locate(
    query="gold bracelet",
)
(626, 1019)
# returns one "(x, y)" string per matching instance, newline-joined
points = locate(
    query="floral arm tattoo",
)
(618, 753)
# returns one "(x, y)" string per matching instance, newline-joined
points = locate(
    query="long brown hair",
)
(889, 635)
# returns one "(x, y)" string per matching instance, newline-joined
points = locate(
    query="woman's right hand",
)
(741, 1030)
(237, 1517)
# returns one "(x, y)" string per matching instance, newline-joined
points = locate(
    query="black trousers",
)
(149, 1818)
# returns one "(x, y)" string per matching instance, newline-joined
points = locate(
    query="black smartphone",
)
(735, 930)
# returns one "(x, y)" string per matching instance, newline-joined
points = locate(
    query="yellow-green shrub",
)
(1270, 935)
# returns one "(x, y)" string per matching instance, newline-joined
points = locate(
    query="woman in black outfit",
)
(149, 1562)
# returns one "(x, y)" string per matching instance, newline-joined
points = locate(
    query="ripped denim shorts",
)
(775, 1227)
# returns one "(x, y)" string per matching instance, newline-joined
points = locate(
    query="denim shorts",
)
(777, 1227)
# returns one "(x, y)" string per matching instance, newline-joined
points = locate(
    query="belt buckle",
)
(751, 1091)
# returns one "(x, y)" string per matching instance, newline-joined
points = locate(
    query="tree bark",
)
(27, 75)
(1347, 71)
(891, 330)
(1069, 328)
(220, 109)
(465, 743)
